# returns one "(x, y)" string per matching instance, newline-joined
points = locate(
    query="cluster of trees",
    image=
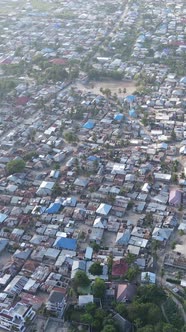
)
(15, 69)
(145, 311)
(96, 269)
(56, 73)
(99, 319)
(15, 166)
(30, 155)
(70, 137)
(81, 280)
(107, 92)
(6, 85)
(94, 74)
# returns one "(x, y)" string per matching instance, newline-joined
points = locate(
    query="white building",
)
(16, 317)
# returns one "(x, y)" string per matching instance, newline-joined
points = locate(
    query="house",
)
(81, 182)
(148, 277)
(161, 234)
(85, 299)
(100, 223)
(14, 318)
(175, 197)
(3, 244)
(104, 209)
(88, 253)
(123, 324)
(96, 235)
(56, 302)
(77, 266)
(123, 238)
(53, 208)
(119, 268)
(125, 292)
(45, 188)
(16, 285)
(3, 216)
(183, 150)
(65, 243)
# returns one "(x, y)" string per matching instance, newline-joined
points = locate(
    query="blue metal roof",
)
(130, 98)
(92, 158)
(118, 117)
(66, 243)
(53, 208)
(89, 124)
(132, 113)
(3, 216)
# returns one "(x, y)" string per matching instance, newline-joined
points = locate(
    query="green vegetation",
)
(70, 137)
(173, 313)
(99, 319)
(94, 74)
(144, 312)
(56, 190)
(96, 269)
(6, 85)
(132, 273)
(15, 166)
(95, 246)
(30, 155)
(80, 280)
(173, 281)
(98, 288)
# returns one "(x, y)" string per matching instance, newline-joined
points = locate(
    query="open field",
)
(114, 86)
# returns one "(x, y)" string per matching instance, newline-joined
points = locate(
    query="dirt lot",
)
(56, 326)
(114, 86)
(181, 247)
(109, 239)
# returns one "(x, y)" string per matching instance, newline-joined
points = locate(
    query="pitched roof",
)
(119, 268)
(65, 243)
(126, 292)
(104, 209)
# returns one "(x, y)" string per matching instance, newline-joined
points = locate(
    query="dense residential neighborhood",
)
(93, 166)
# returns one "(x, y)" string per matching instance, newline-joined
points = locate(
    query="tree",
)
(109, 328)
(130, 205)
(96, 269)
(56, 190)
(130, 258)
(110, 263)
(90, 308)
(122, 309)
(15, 166)
(70, 137)
(151, 293)
(99, 317)
(174, 177)
(81, 279)
(154, 313)
(147, 328)
(87, 318)
(132, 273)
(95, 246)
(98, 288)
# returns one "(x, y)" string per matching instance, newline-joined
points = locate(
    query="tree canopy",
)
(96, 269)
(98, 288)
(81, 279)
(15, 166)
(109, 328)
